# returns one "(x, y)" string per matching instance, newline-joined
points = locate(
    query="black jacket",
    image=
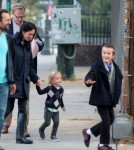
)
(100, 93)
(10, 58)
(24, 68)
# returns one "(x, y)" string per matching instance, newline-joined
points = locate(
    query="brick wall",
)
(86, 54)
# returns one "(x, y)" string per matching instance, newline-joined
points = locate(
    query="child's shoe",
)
(42, 134)
(54, 138)
(87, 137)
(105, 147)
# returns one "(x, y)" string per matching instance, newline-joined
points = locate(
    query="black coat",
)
(24, 71)
(100, 93)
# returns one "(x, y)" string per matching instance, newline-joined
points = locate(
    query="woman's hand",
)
(38, 82)
(12, 88)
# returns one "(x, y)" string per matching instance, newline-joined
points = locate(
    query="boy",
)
(106, 79)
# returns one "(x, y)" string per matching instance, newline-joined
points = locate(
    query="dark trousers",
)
(103, 128)
(21, 106)
(48, 115)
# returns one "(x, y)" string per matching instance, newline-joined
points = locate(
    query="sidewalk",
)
(78, 115)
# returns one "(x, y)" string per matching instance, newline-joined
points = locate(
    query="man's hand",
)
(88, 82)
(12, 88)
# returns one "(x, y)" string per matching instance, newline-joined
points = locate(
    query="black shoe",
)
(105, 147)
(87, 137)
(42, 135)
(24, 141)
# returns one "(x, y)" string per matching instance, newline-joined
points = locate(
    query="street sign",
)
(66, 25)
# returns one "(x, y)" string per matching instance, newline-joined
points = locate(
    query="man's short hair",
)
(17, 6)
(1, 12)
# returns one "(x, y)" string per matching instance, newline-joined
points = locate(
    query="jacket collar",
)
(101, 66)
(17, 38)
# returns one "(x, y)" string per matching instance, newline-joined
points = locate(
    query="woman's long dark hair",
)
(26, 27)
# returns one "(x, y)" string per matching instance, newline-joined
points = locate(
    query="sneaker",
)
(42, 134)
(87, 137)
(54, 138)
(105, 147)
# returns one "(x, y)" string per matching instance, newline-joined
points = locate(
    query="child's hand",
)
(64, 109)
(88, 82)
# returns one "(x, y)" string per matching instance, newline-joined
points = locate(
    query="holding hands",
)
(38, 83)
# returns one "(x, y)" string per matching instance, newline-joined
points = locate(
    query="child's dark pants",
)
(48, 115)
(103, 128)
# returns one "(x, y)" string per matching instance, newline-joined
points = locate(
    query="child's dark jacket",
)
(100, 93)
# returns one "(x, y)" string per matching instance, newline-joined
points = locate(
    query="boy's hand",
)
(64, 109)
(88, 82)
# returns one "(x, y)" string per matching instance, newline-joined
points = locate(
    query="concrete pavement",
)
(78, 115)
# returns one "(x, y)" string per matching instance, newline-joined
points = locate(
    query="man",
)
(18, 15)
(6, 65)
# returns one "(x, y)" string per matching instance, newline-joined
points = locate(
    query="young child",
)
(53, 101)
(106, 80)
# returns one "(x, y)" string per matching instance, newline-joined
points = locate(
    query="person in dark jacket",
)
(106, 80)
(53, 101)
(6, 65)
(18, 15)
(24, 74)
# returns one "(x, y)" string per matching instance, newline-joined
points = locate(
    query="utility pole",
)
(65, 61)
(46, 49)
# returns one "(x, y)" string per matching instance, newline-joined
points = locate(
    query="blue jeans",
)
(4, 90)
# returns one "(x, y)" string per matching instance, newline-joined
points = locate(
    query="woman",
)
(24, 72)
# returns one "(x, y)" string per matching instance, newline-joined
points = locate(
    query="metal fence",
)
(96, 29)
(118, 30)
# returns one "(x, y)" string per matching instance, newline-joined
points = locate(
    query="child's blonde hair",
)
(50, 78)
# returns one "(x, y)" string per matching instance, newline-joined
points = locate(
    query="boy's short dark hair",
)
(1, 12)
(108, 45)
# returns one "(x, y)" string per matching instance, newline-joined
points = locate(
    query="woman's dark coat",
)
(100, 93)
(10, 31)
(24, 71)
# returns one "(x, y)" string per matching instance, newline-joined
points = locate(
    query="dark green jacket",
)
(10, 58)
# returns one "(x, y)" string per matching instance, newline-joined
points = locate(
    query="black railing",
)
(96, 29)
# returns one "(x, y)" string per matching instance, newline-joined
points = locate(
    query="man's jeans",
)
(4, 90)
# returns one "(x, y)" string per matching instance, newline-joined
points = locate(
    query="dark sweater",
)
(54, 96)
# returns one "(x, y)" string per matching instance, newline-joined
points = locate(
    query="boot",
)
(20, 130)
